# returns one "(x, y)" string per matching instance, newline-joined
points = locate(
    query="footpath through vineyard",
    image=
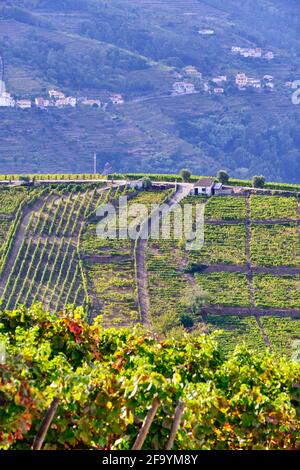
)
(249, 270)
(141, 251)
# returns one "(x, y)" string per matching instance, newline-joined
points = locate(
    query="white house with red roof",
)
(206, 187)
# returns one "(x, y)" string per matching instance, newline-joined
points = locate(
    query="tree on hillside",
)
(258, 181)
(223, 176)
(24, 179)
(185, 174)
(147, 183)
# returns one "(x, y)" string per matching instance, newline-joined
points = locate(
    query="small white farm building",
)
(206, 187)
(137, 184)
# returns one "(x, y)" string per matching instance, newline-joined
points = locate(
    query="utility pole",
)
(95, 163)
(1, 69)
(2, 84)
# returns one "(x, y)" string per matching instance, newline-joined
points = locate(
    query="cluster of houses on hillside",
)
(255, 53)
(7, 101)
(243, 82)
(191, 79)
(192, 82)
(56, 99)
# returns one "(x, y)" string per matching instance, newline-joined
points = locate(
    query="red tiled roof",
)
(205, 182)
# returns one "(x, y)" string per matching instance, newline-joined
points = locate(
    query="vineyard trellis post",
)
(177, 419)
(146, 425)
(42, 432)
(149, 420)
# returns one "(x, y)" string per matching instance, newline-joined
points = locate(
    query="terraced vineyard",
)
(248, 269)
(225, 288)
(167, 282)
(110, 266)
(224, 244)
(275, 245)
(233, 329)
(226, 208)
(41, 260)
(274, 208)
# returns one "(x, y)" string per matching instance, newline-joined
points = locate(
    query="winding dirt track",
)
(140, 257)
(250, 272)
(19, 238)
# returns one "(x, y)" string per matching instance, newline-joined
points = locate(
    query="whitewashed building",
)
(137, 184)
(6, 100)
(24, 104)
(253, 82)
(241, 80)
(183, 88)
(206, 187)
(117, 99)
(91, 103)
(206, 32)
(193, 72)
(67, 101)
(71, 101)
(219, 80)
(40, 102)
(61, 103)
(218, 91)
(57, 95)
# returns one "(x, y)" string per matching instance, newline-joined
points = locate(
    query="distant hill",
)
(138, 47)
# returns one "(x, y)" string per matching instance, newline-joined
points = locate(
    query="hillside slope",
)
(139, 48)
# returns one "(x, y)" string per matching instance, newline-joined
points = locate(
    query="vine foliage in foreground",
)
(106, 381)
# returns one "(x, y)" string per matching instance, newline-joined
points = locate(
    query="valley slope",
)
(139, 48)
